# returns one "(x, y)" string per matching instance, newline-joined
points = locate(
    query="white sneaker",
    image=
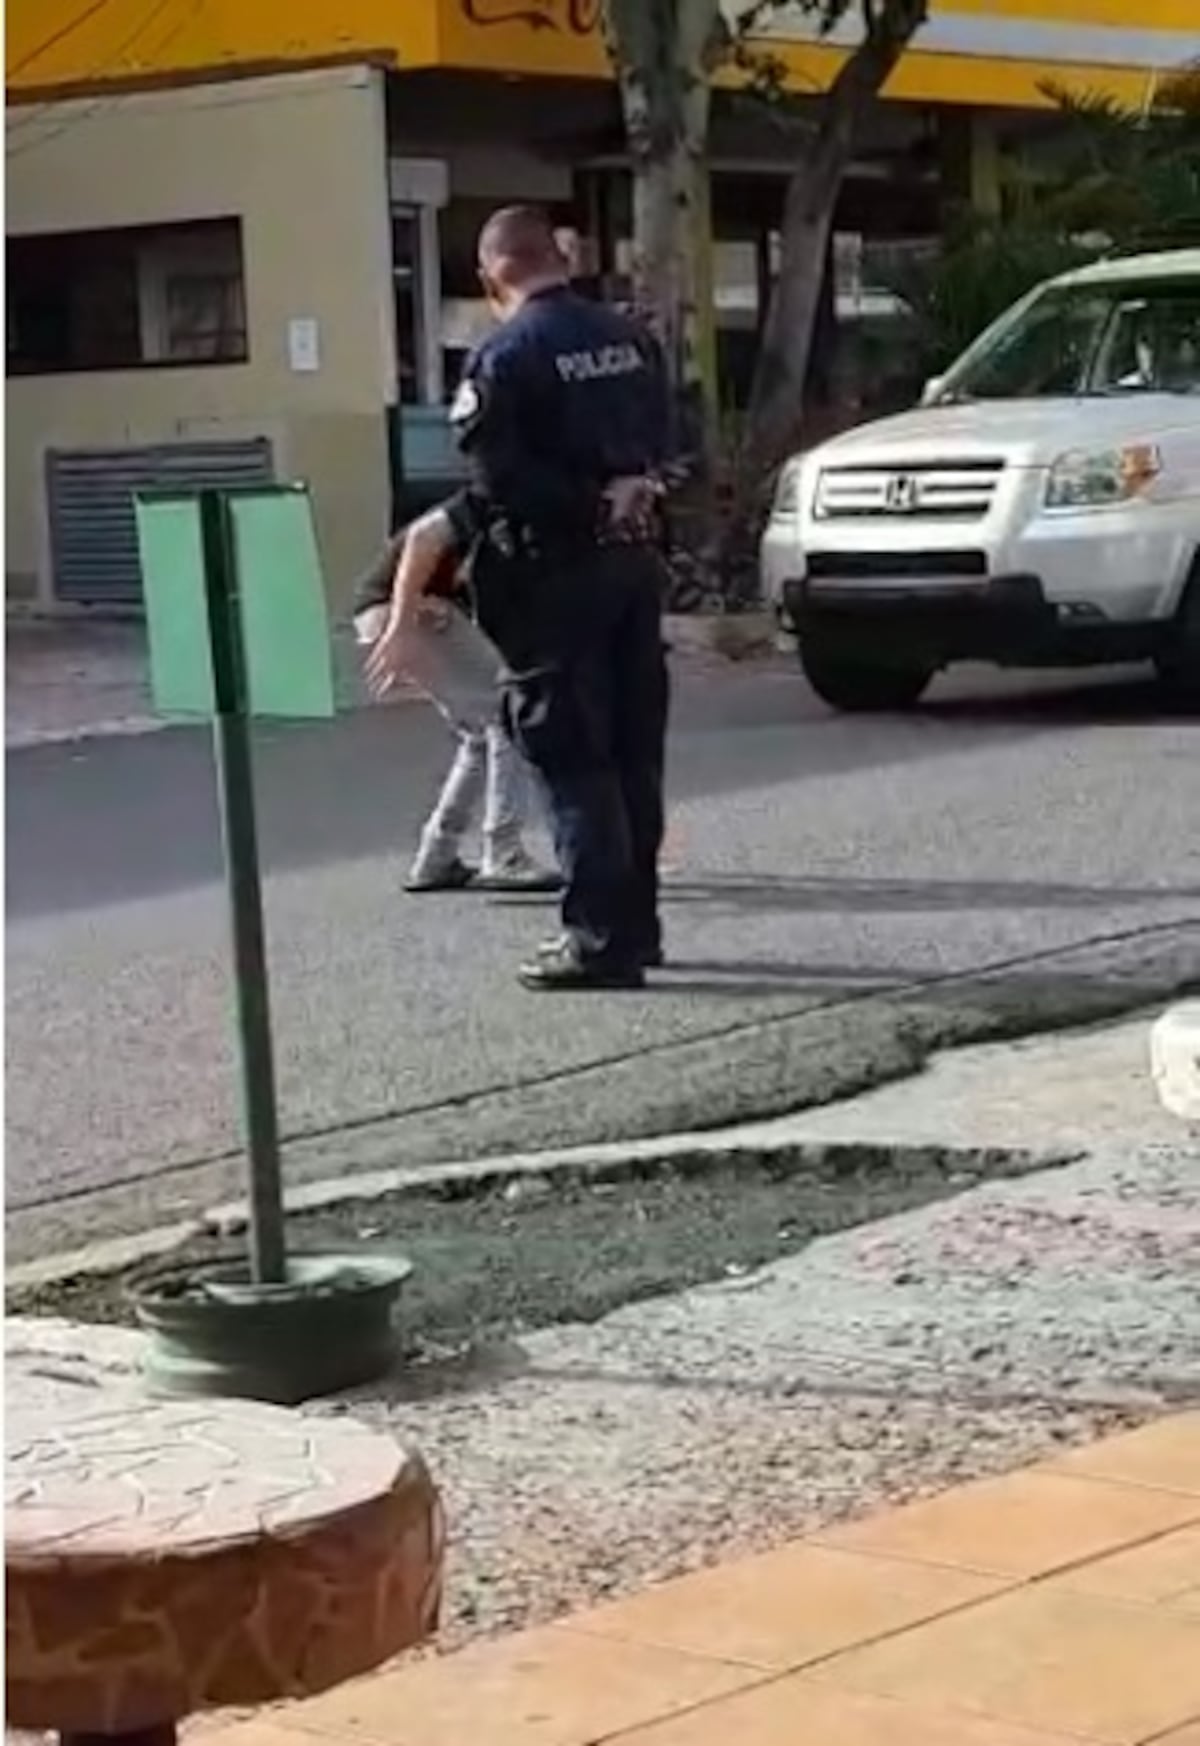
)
(517, 871)
(453, 875)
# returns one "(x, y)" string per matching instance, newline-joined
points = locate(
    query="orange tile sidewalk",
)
(1055, 1606)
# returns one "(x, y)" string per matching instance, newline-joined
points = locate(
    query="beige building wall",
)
(301, 159)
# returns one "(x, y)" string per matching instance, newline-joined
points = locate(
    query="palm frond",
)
(1112, 180)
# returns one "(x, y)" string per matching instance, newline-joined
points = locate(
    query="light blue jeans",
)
(459, 670)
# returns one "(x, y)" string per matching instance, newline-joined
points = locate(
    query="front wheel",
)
(1179, 663)
(855, 685)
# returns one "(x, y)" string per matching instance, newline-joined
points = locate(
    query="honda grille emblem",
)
(903, 494)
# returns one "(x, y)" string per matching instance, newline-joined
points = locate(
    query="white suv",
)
(1041, 507)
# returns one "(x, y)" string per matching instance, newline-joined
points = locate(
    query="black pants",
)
(586, 701)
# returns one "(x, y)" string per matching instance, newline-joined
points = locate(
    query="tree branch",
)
(776, 405)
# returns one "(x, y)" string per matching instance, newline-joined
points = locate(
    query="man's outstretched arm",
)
(421, 553)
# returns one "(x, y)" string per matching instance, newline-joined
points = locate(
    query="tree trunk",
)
(775, 417)
(639, 46)
(702, 337)
(776, 407)
(659, 51)
(655, 264)
(697, 23)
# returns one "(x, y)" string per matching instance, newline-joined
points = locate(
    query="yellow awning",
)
(56, 44)
(997, 52)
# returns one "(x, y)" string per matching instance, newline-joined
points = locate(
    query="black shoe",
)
(454, 876)
(561, 968)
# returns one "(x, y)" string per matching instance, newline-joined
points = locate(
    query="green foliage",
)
(979, 272)
(1132, 176)
(766, 75)
(1110, 180)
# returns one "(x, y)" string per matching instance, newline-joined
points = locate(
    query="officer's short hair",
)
(522, 239)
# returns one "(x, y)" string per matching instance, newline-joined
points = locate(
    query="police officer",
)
(563, 415)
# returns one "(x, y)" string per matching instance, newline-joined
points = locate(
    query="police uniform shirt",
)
(559, 401)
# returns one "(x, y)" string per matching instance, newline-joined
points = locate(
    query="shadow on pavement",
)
(1116, 701)
(1028, 987)
(772, 891)
(110, 821)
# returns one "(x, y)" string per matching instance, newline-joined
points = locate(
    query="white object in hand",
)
(456, 666)
(369, 624)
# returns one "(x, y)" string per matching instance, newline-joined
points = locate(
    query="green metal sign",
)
(235, 610)
(172, 557)
(279, 594)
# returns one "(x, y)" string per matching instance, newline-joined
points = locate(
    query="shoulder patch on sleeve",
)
(466, 405)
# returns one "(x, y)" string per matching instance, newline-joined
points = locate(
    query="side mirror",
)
(932, 390)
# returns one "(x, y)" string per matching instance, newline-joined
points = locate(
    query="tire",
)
(1179, 664)
(855, 686)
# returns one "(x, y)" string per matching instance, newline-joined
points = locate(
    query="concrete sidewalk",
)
(1059, 1604)
(79, 679)
(68, 680)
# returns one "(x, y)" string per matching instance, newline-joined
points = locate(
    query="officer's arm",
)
(492, 416)
(633, 501)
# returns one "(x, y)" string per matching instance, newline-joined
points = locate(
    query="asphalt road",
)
(834, 883)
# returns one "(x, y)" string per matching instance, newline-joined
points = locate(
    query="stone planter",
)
(214, 1332)
(168, 1557)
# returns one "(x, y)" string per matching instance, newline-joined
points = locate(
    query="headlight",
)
(1083, 479)
(787, 492)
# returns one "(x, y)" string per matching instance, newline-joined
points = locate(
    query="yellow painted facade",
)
(995, 52)
(300, 161)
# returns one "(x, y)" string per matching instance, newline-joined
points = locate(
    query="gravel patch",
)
(878, 1364)
(562, 1492)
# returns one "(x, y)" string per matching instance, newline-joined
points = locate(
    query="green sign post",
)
(237, 625)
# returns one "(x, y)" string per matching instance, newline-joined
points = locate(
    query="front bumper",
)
(1007, 620)
(953, 621)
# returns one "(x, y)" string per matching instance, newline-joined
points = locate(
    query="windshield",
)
(1087, 339)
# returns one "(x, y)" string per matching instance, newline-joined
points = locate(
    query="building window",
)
(193, 295)
(416, 281)
(411, 316)
(144, 298)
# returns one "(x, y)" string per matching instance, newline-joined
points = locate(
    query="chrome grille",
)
(925, 491)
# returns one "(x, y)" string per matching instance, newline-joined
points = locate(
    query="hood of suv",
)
(1029, 433)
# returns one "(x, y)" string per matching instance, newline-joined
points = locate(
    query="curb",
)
(735, 636)
(97, 1259)
(732, 637)
(521, 1174)
(126, 727)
